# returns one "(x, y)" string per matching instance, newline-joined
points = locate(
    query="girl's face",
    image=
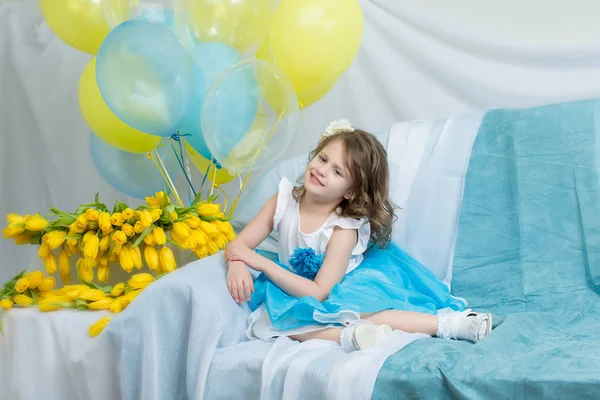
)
(327, 177)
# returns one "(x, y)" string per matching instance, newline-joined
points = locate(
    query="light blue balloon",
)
(132, 173)
(229, 109)
(211, 59)
(146, 76)
(164, 16)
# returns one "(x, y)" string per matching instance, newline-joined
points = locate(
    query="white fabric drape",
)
(419, 60)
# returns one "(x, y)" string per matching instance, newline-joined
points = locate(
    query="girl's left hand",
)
(245, 255)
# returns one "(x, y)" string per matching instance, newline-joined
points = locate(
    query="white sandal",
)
(366, 335)
(465, 325)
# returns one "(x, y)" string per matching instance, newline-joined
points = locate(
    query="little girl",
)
(337, 277)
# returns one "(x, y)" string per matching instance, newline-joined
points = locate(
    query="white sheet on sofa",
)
(431, 160)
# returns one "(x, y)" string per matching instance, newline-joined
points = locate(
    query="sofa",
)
(502, 206)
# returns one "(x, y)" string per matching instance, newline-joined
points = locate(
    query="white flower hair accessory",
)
(342, 125)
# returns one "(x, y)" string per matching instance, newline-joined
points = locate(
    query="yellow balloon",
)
(242, 24)
(314, 42)
(104, 123)
(79, 23)
(223, 176)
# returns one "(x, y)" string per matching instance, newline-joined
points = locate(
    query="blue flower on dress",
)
(306, 262)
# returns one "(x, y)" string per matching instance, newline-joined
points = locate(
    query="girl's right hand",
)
(239, 281)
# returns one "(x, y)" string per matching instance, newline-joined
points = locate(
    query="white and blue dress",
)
(376, 279)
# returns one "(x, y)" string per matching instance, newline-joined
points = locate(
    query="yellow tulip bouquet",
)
(97, 237)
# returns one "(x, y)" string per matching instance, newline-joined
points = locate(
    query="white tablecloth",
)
(50, 356)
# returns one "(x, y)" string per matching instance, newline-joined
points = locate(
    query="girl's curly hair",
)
(368, 165)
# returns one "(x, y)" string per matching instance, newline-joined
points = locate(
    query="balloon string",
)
(214, 178)
(237, 198)
(205, 176)
(165, 174)
(184, 154)
(178, 138)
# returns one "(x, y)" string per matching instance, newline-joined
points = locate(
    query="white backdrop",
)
(419, 60)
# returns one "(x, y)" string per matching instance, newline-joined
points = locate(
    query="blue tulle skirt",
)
(387, 279)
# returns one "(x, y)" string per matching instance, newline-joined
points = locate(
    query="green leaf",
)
(82, 209)
(96, 197)
(143, 234)
(215, 218)
(165, 218)
(81, 304)
(36, 238)
(34, 294)
(197, 199)
(176, 244)
(120, 207)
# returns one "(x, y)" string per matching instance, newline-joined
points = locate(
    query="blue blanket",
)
(528, 250)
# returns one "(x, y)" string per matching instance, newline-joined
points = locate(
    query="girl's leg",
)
(407, 321)
(332, 334)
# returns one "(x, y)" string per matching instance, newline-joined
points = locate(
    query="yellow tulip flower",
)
(91, 246)
(23, 300)
(55, 239)
(35, 277)
(208, 209)
(159, 236)
(211, 247)
(44, 250)
(192, 221)
(22, 285)
(12, 231)
(126, 259)
(103, 273)
(128, 229)
(36, 224)
(221, 242)
(6, 304)
(182, 230)
(104, 244)
(50, 263)
(48, 307)
(117, 219)
(118, 305)
(137, 257)
(15, 219)
(146, 218)
(118, 289)
(209, 229)
(64, 262)
(99, 326)
(23, 238)
(149, 239)
(151, 257)
(102, 304)
(92, 214)
(119, 237)
(47, 284)
(86, 274)
(200, 251)
(156, 214)
(167, 259)
(140, 281)
(139, 227)
(104, 221)
(92, 294)
(56, 299)
(128, 213)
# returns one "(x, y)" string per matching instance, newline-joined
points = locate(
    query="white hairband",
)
(342, 125)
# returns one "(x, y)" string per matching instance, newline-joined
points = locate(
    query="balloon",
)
(314, 42)
(242, 24)
(246, 148)
(161, 11)
(223, 176)
(104, 123)
(146, 76)
(79, 23)
(211, 59)
(132, 173)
